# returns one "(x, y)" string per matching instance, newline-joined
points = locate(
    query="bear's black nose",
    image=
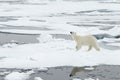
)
(70, 75)
(71, 32)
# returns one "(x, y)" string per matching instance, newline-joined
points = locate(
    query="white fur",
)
(88, 40)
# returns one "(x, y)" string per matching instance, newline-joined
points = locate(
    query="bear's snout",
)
(71, 32)
(70, 75)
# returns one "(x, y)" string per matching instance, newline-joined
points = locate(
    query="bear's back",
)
(87, 39)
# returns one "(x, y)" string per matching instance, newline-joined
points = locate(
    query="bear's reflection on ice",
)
(81, 69)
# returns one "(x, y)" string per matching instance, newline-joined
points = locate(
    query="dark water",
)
(101, 72)
(6, 38)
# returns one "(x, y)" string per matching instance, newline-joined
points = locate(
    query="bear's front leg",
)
(90, 47)
(78, 47)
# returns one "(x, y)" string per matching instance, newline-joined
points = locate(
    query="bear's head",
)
(73, 35)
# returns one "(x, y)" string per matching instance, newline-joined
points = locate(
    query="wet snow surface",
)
(35, 34)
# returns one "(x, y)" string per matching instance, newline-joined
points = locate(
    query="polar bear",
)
(88, 40)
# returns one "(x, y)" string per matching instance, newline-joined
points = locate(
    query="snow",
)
(83, 31)
(27, 13)
(85, 79)
(44, 38)
(38, 78)
(90, 68)
(76, 79)
(9, 45)
(91, 79)
(56, 52)
(17, 76)
(37, 1)
(51, 52)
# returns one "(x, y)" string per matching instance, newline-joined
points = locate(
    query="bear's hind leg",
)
(90, 47)
(97, 48)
